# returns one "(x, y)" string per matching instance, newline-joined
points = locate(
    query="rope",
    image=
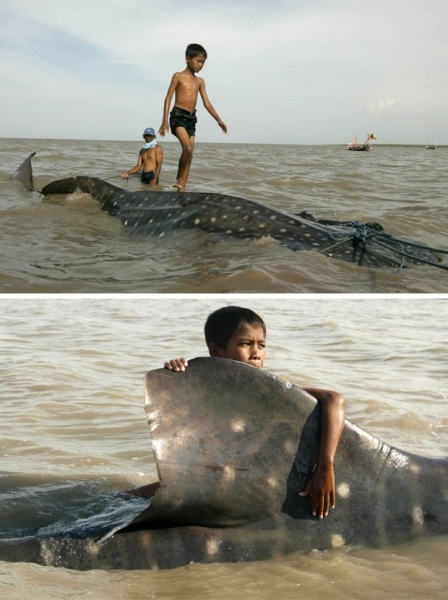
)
(374, 231)
(414, 244)
(363, 231)
(109, 177)
(408, 255)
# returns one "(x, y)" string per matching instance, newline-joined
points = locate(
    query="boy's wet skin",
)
(185, 87)
(247, 345)
(197, 63)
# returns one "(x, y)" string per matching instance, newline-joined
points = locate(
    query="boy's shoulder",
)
(187, 74)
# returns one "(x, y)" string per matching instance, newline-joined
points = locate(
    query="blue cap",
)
(149, 131)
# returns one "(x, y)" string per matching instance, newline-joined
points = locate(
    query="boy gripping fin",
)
(240, 334)
(185, 86)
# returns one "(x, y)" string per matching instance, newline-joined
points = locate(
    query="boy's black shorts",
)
(179, 117)
(148, 176)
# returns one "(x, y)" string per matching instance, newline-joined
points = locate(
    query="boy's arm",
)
(159, 161)
(165, 127)
(208, 105)
(136, 169)
(322, 485)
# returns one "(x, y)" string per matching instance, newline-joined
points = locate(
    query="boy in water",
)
(240, 334)
(182, 120)
(150, 159)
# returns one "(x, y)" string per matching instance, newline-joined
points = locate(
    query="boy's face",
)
(247, 345)
(196, 63)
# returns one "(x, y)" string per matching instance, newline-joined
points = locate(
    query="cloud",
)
(383, 106)
(302, 67)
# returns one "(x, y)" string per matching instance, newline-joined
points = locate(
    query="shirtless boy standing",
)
(182, 120)
(150, 159)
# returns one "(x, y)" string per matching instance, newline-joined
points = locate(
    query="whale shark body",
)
(161, 214)
(158, 213)
(233, 446)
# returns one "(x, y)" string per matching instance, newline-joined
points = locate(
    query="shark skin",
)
(161, 213)
(24, 174)
(233, 446)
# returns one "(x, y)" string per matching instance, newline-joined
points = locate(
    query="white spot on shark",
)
(337, 541)
(197, 221)
(343, 490)
(272, 482)
(229, 473)
(212, 547)
(238, 425)
(417, 515)
(290, 446)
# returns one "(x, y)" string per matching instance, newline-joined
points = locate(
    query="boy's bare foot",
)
(179, 186)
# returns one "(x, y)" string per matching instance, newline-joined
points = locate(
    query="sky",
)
(278, 72)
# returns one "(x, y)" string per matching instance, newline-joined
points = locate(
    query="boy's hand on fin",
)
(321, 486)
(176, 364)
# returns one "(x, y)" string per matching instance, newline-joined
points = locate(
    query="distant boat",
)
(431, 146)
(361, 147)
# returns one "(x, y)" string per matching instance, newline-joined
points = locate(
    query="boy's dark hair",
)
(225, 322)
(194, 50)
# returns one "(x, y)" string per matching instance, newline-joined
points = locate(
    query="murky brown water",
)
(61, 244)
(71, 374)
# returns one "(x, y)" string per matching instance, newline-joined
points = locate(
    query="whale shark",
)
(159, 213)
(233, 446)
